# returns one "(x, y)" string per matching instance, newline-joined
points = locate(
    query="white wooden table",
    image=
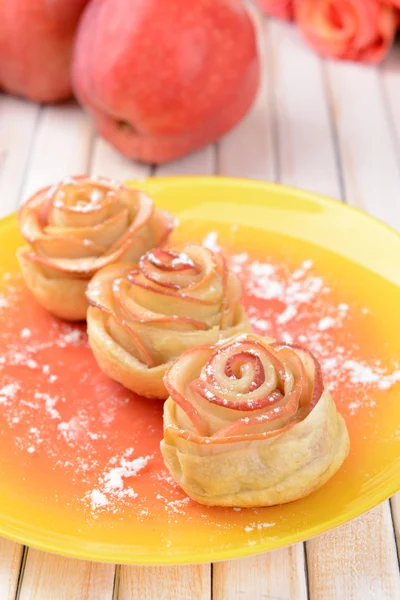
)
(327, 127)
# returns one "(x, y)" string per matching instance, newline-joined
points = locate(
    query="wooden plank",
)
(10, 563)
(200, 162)
(191, 582)
(306, 150)
(106, 161)
(395, 503)
(357, 561)
(17, 125)
(51, 577)
(367, 146)
(248, 150)
(62, 146)
(278, 575)
(390, 79)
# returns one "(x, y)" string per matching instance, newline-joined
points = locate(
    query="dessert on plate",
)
(143, 316)
(249, 422)
(78, 226)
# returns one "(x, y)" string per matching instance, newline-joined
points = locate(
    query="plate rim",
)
(222, 555)
(266, 185)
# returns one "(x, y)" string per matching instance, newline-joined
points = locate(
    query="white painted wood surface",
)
(278, 575)
(49, 577)
(10, 564)
(356, 561)
(329, 127)
(164, 583)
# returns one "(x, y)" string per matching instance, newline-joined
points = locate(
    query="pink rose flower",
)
(360, 30)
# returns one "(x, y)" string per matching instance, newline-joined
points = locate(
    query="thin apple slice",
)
(294, 365)
(68, 248)
(312, 369)
(145, 209)
(105, 234)
(99, 291)
(169, 269)
(138, 312)
(200, 387)
(161, 226)
(252, 347)
(175, 380)
(276, 413)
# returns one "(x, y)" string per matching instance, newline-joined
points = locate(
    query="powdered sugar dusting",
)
(365, 374)
(326, 323)
(97, 499)
(259, 526)
(114, 487)
(7, 392)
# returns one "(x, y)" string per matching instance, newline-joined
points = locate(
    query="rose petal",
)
(105, 234)
(188, 363)
(137, 312)
(350, 29)
(66, 248)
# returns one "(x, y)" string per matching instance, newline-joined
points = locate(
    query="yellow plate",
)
(314, 271)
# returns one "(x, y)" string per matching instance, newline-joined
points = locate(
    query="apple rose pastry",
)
(75, 228)
(249, 423)
(143, 316)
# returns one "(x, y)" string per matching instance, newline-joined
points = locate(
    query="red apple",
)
(163, 78)
(36, 38)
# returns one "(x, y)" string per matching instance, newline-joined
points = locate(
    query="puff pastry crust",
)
(78, 226)
(249, 423)
(142, 316)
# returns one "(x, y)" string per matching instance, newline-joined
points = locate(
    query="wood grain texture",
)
(50, 577)
(17, 126)
(200, 162)
(192, 582)
(248, 150)
(395, 503)
(306, 150)
(10, 562)
(106, 161)
(367, 145)
(390, 79)
(278, 575)
(356, 561)
(62, 147)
